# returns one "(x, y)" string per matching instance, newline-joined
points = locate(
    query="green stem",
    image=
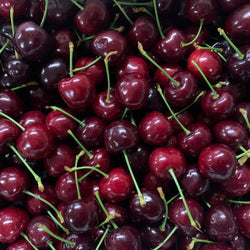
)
(59, 215)
(27, 239)
(25, 85)
(141, 198)
(12, 120)
(243, 154)
(87, 66)
(4, 46)
(87, 38)
(238, 202)
(12, 26)
(64, 229)
(44, 13)
(206, 80)
(171, 111)
(71, 51)
(173, 198)
(103, 237)
(87, 174)
(78, 156)
(37, 177)
(222, 33)
(80, 144)
(123, 12)
(50, 245)
(162, 195)
(136, 4)
(195, 240)
(244, 114)
(124, 113)
(157, 20)
(78, 5)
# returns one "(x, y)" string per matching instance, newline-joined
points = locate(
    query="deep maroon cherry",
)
(215, 246)
(216, 194)
(243, 218)
(217, 162)
(82, 241)
(30, 117)
(220, 223)
(19, 244)
(5, 6)
(81, 215)
(33, 11)
(230, 5)
(238, 242)
(13, 221)
(186, 241)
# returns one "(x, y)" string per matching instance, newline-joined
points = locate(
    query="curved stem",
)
(12, 120)
(64, 229)
(136, 4)
(76, 177)
(238, 202)
(12, 26)
(71, 51)
(157, 20)
(44, 13)
(4, 46)
(123, 12)
(50, 245)
(28, 240)
(162, 195)
(25, 85)
(87, 174)
(87, 66)
(244, 114)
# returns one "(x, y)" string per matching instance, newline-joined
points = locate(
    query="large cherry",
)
(18, 5)
(243, 218)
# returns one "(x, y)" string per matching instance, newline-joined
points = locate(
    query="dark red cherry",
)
(31, 41)
(77, 91)
(30, 117)
(178, 215)
(243, 219)
(155, 128)
(33, 11)
(145, 31)
(238, 242)
(186, 241)
(20, 244)
(18, 5)
(120, 135)
(82, 241)
(216, 194)
(117, 187)
(220, 223)
(93, 18)
(215, 246)
(13, 181)
(230, 5)
(107, 41)
(162, 159)
(36, 142)
(13, 221)
(217, 162)
(238, 117)
(81, 215)
(127, 237)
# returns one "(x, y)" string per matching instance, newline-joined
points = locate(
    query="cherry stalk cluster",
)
(124, 125)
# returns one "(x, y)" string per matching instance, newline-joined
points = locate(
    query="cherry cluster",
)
(124, 125)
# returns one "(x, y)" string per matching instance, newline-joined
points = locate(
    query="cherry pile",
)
(124, 125)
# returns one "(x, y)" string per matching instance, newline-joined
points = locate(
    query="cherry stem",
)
(103, 237)
(40, 225)
(87, 174)
(25, 85)
(37, 177)
(215, 95)
(244, 153)
(87, 167)
(124, 113)
(144, 10)
(193, 223)
(157, 20)
(80, 144)
(207, 204)
(244, 114)
(66, 113)
(166, 239)
(104, 209)
(238, 202)
(123, 12)
(171, 111)
(189, 105)
(4, 46)
(144, 53)
(71, 51)
(223, 33)
(44, 13)
(27, 239)
(50, 245)
(78, 5)
(12, 26)
(195, 240)
(88, 65)
(109, 218)
(66, 230)
(106, 59)
(197, 35)
(162, 195)
(242, 158)
(87, 38)
(173, 198)
(217, 50)
(136, 4)
(78, 156)
(141, 198)
(12, 120)
(59, 215)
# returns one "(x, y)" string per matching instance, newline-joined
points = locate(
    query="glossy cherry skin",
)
(35, 142)
(117, 187)
(132, 90)
(93, 18)
(37, 235)
(5, 6)
(220, 108)
(150, 213)
(178, 215)
(33, 11)
(208, 61)
(13, 181)
(217, 162)
(169, 49)
(220, 223)
(237, 25)
(31, 41)
(192, 144)
(107, 41)
(20, 244)
(145, 31)
(120, 135)
(30, 117)
(195, 10)
(83, 241)
(186, 240)
(243, 218)
(125, 237)
(13, 221)
(231, 5)
(215, 246)
(81, 215)
(155, 128)
(77, 91)
(238, 242)
(162, 159)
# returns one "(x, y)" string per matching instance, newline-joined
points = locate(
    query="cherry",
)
(20, 244)
(31, 117)
(117, 187)
(238, 242)
(13, 221)
(13, 181)
(93, 18)
(155, 128)
(197, 241)
(33, 11)
(82, 241)
(230, 5)
(19, 7)
(243, 218)
(238, 115)
(217, 162)
(215, 246)
(81, 215)
(220, 223)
